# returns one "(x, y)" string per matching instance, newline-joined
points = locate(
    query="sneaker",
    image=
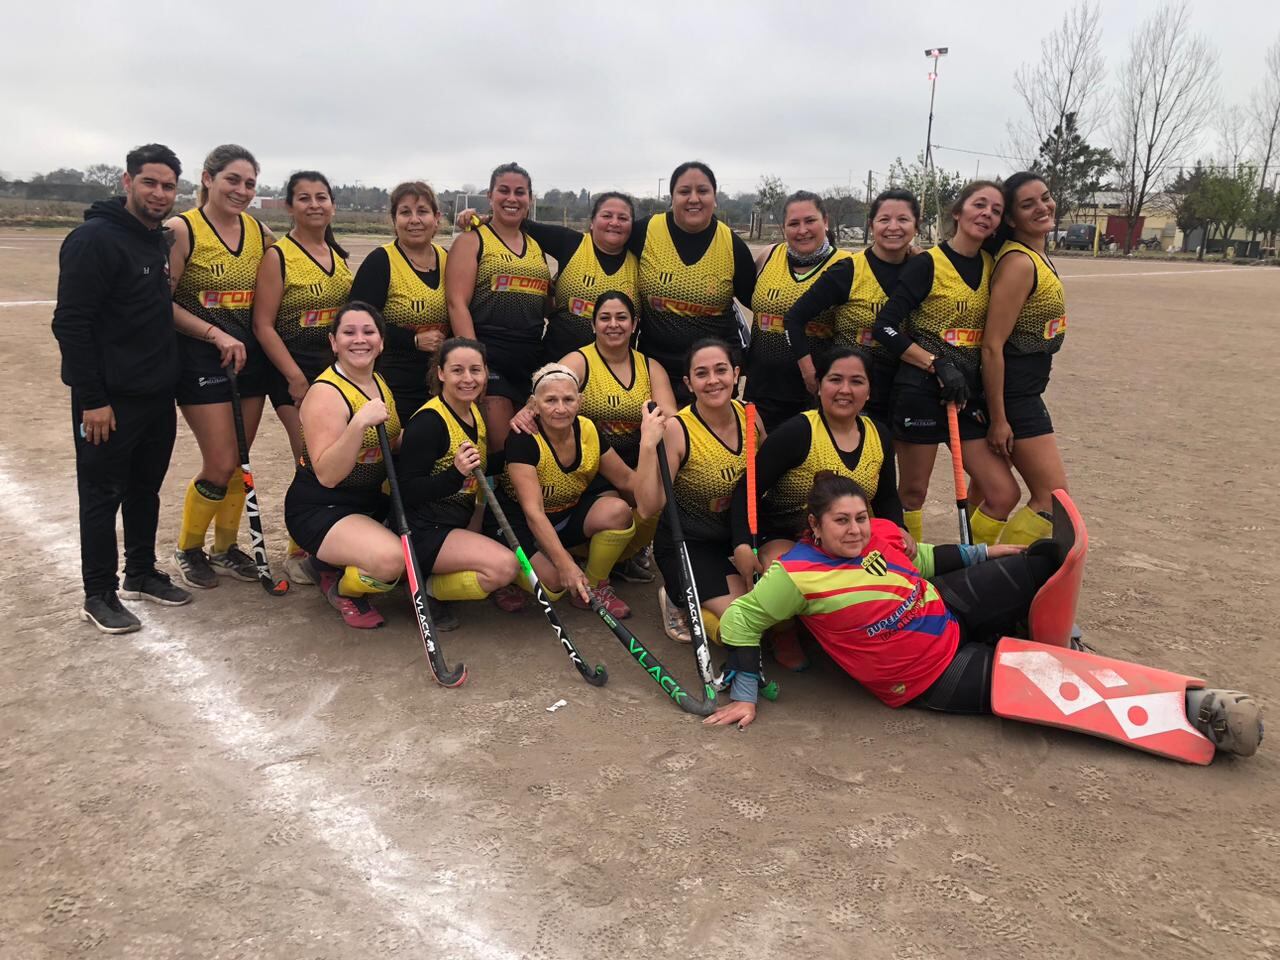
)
(299, 568)
(673, 622)
(193, 568)
(107, 613)
(442, 617)
(645, 558)
(509, 598)
(356, 612)
(234, 562)
(608, 599)
(632, 572)
(1230, 719)
(156, 587)
(787, 651)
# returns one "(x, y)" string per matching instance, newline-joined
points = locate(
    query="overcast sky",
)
(582, 93)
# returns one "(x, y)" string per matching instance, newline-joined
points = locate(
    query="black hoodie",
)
(114, 318)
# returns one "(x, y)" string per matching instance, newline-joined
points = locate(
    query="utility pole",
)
(934, 53)
(866, 234)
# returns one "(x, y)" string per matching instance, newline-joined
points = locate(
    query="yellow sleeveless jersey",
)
(369, 471)
(456, 509)
(563, 487)
(708, 476)
(855, 320)
(777, 290)
(510, 293)
(786, 504)
(410, 302)
(950, 321)
(312, 298)
(1042, 323)
(217, 282)
(615, 408)
(580, 281)
(680, 304)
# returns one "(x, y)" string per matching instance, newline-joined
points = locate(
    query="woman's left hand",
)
(738, 711)
(428, 339)
(651, 427)
(998, 550)
(524, 422)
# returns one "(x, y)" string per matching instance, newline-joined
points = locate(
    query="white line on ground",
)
(27, 303)
(394, 879)
(1195, 272)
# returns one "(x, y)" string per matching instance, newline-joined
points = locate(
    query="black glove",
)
(954, 386)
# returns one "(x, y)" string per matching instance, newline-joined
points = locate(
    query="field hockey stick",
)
(601, 676)
(277, 588)
(768, 689)
(652, 665)
(957, 469)
(693, 606)
(426, 629)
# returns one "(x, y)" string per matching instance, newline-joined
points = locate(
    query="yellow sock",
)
(645, 529)
(522, 581)
(294, 549)
(606, 548)
(985, 529)
(1026, 526)
(356, 583)
(198, 512)
(226, 522)
(913, 520)
(462, 585)
(712, 623)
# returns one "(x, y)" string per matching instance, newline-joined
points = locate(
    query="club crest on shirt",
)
(875, 564)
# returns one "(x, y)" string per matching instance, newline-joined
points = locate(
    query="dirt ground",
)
(248, 778)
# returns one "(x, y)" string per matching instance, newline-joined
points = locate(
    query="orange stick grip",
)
(957, 459)
(751, 469)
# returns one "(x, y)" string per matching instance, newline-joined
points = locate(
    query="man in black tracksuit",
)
(114, 324)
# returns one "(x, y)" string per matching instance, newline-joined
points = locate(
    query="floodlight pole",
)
(934, 53)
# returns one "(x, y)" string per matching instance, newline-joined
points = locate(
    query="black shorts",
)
(203, 379)
(879, 404)
(510, 375)
(278, 386)
(570, 525)
(712, 567)
(428, 540)
(309, 521)
(1026, 376)
(919, 415)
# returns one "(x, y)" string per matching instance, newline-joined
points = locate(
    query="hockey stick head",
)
(277, 588)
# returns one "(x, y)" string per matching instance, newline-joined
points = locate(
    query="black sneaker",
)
(193, 568)
(442, 617)
(156, 587)
(234, 562)
(633, 572)
(107, 613)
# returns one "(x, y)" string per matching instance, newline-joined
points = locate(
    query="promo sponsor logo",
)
(581, 308)
(770, 323)
(817, 330)
(719, 504)
(964, 337)
(318, 318)
(509, 283)
(1055, 326)
(682, 308)
(369, 455)
(866, 338)
(226, 299)
(618, 428)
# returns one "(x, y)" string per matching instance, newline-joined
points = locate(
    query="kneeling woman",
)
(443, 443)
(335, 504)
(556, 493)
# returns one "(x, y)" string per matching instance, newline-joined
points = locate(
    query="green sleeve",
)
(924, 559)
(775, 599)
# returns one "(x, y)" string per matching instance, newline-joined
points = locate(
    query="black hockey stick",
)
(277, 588)
(439, 669)
(601, 676)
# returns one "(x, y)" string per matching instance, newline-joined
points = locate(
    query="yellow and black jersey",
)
(855, 320)
(562, 484)
(411, 303)
(709, 473)
(777, 289)
(1042, 323)
(681, 303)
(369, 471)
(311, 300)
(580, 281)
(433, 490)
(217, 282)
(510, 295)
(950, 320)
(615, 407)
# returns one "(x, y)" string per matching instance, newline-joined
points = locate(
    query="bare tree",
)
(1068, 78)
(1266, 125)
(1234, 136)
(1167, 88)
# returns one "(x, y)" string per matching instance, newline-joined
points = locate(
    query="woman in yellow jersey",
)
(933, 322)
(335, 504)
(444, 441)
(404, 279)
(213, 266)
(1026, 325)
(302, 282)
(836, 438)
(553, 493)
(787, 272)
(497, 282)
(707, 457)
(692, 267)
(854, 290)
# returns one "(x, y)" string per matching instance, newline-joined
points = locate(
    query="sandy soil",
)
(247, 778)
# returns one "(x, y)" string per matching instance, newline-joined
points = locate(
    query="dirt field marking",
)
(27, 303)
(1151, 273)
(347, 829)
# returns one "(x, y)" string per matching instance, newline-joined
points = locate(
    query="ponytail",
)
(332, 241)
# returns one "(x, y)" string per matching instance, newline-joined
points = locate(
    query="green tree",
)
(936, 189)
(1073, 170)
(771, 194)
